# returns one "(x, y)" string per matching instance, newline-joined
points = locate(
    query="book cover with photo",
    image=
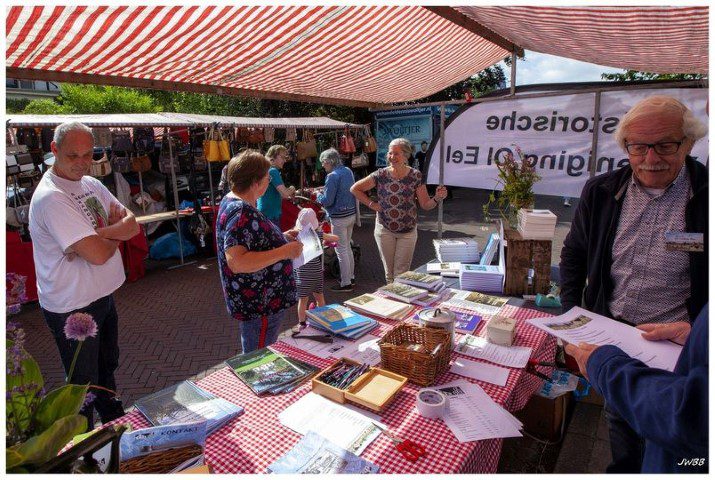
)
(263, 370)
(185, 402)
(337, 318)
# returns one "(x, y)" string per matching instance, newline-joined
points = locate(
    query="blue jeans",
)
(261, 332)
(627, 447)
(98, 358)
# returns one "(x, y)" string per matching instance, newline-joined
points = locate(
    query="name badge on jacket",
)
(685, 241)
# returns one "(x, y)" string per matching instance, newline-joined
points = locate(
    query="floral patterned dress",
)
(265, 292)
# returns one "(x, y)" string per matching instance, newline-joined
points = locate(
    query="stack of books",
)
(490, 250)
(421, 280)
(340, 320)
(536, 224)
(267, 372)
(465, 250)
(483, 278)
(403, 292)
(430, 299)
(187, 403)
(371, 304)
(447, 269)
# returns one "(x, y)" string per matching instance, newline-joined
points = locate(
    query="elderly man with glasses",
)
(616, 261)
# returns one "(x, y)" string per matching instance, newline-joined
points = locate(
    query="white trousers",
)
(396, 250)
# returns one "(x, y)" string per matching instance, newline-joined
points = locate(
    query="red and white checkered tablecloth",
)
(252, 441)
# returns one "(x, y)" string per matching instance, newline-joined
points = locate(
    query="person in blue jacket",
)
(668, 409)
(340, 204)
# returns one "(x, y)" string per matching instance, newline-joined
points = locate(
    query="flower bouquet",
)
(517, 178)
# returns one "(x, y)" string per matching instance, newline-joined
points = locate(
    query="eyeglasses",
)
(661, 148)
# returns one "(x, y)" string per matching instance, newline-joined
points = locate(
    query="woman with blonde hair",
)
(399, 191)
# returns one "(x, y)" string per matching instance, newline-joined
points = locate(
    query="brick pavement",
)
(174, 324)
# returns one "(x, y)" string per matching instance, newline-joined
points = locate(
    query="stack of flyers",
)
(464, 249)
(536, 224)
(484, 278)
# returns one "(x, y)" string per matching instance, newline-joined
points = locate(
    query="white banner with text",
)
(555, 133)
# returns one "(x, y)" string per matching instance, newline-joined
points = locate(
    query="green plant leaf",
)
(61, 402)
(20, 404)
(45, 446)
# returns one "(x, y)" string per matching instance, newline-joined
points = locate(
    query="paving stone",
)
(575, 454)
(600, 456)
(584, 419)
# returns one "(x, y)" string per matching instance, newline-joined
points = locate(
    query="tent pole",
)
(441, 169)
(512, 88)
(176, 194)
(594, 139)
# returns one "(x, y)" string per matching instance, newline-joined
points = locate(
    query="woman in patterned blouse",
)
(399, 189)
(254, 256)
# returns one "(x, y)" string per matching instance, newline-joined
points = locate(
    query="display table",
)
(252, 441)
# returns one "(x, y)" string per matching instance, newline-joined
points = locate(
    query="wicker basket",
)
(160, 462)
(420, 367)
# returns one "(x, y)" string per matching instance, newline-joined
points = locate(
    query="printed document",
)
(479, 347)
(312, 248)
(345, 427)
(472, 414)
(480, 371)
(579, 325)
(364, 350)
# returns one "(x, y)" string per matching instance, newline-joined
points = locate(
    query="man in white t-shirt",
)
(76, 225)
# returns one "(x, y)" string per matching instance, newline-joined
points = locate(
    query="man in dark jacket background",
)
(616, 261)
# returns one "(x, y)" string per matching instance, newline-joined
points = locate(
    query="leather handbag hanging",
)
(216, 149)
(370, 145)
(347, 144)
(102, 137)
(140, 163)
(120, 162)
(100, 167)
(200, 163)
(184, 156)
(360, 161)
(167, 157)
(122, 141)
(306, 148)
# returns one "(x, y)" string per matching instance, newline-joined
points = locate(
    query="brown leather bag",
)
(306, 148)
(140, 163)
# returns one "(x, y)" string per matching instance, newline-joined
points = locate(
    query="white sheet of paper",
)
(364, 350)
(343, 426)
(472, 414)
(479, 347)
(312, 247)
(579, 325)
(480, 371)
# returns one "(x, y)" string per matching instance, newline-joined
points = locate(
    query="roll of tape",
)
(431, 403)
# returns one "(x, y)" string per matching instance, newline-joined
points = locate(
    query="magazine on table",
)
(337, 318)
(264, 370)
(403, 292)
(378, 306)
(314, 454)
(184, 403)
(312, 247)
(417, 279)
(475, 301)
(144, 441)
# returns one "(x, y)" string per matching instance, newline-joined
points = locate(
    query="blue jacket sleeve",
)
(663, 407)
(327, 198)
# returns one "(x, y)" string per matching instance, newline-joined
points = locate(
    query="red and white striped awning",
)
(334, 54)
(651, 39)
(353, 55)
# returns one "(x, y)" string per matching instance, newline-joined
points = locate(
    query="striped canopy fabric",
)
(651, 39)
(353, 55)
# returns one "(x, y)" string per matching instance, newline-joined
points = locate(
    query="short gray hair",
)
(404, 145)
(63, 129)
(331, 156)
(661, 105)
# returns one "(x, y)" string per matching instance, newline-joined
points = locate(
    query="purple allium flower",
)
(15, 356)
(88, 400)
(79, 326)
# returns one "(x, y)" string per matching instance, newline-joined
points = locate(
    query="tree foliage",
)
(43, 107)
(635, 75)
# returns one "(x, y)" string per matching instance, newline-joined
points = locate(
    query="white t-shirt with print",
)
(62, 212)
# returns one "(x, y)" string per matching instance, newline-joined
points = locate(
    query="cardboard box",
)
(542, 417)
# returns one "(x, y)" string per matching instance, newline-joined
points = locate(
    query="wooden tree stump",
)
(520, 256)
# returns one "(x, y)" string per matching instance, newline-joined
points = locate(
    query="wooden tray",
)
(374, 389)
